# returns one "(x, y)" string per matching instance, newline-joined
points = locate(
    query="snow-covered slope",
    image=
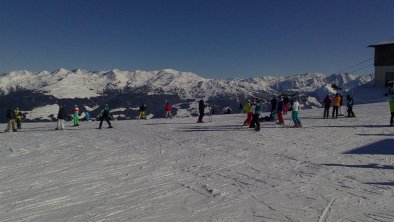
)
(177, 170)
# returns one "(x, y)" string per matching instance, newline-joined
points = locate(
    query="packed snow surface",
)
(177, 170)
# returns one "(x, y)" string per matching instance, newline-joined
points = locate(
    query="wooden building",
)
(384, 62)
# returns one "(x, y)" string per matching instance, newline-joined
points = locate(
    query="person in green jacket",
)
(391, 102)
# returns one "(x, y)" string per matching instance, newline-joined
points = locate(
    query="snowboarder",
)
(105, 115)
(327, 104)
(168, 111)
(19, 118)
(75, 115)
(279, 110)
(142, 111)
(256, 110)
(201, 110)
(335, 105)
(295, 113)
(391, 103)
(11, 120)
(61, 115)
(350, 104)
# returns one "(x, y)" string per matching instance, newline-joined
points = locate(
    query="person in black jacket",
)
(350, 104)
(201, 110)
(61, 115)
(274, 105)
(11, 120)
(105, 115)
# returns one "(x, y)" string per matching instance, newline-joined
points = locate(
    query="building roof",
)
(390, 42)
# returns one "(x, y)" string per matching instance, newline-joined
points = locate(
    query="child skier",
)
(105, 115)
(142, 112)
(60, 118)
(279, 111)
(75, 115)
(249, 114)
(256, 110)
(295, 114)
(168, 111)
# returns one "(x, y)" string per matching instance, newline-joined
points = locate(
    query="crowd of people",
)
(337, 106)
(253, 108)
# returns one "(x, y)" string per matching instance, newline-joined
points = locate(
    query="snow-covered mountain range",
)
(128, 89)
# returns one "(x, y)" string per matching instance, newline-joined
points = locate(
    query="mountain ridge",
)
(126, 88)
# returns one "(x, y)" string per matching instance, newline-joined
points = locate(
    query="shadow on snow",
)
(382, 147)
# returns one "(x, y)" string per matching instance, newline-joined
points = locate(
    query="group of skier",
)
(14, 119)
(62, 116)
(279, 107)
(254, 107)
(337, 104)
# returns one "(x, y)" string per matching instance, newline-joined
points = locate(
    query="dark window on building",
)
(384, 55)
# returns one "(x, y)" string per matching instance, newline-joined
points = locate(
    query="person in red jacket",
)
(327, 104)
(168, 111)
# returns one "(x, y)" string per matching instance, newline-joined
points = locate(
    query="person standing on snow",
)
(335, 105)
(201, 110)
(11, 120)
(105, 115)
(249, 113)
(61, 115)
(168, 111)
(279, 110)
(327, 104)
(256, 110)
(75, 115)
(391, 103)
(350, 103)
(341, 106)
(286, 101)
(19, 118)
(274, 104)
(142, 111)
(295, 113)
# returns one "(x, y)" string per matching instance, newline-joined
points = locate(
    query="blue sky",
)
(212, 38)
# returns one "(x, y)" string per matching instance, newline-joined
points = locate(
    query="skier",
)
(142, 111)
(295, 113)
(249, 114)
(61, 115)
(391, 103)
(19, 118)
(327, 104)
(286, 101)
(11, 120)
(274, 104)
(168, 111)
(105, 115)
(256, 110)
(341, 106)
(279, 110)
(241, 107)
(350, 104)
(75, 115)
(335, 105)
(201, 110)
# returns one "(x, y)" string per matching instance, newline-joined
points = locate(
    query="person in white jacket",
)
(294, 113)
